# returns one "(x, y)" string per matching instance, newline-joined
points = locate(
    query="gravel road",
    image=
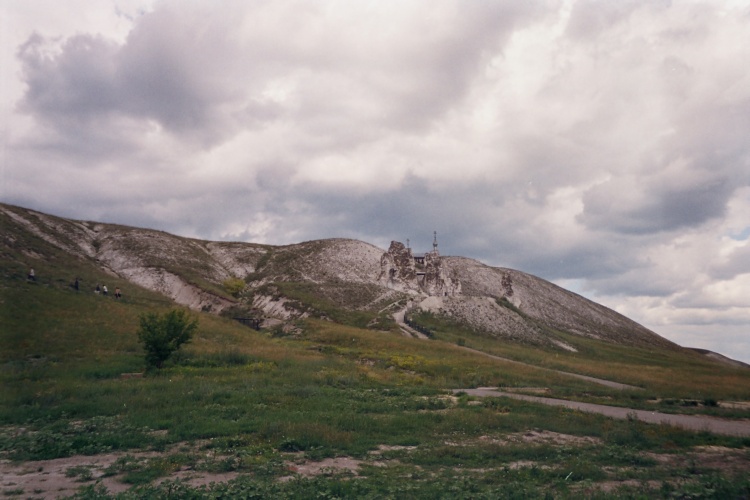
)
(689, 422)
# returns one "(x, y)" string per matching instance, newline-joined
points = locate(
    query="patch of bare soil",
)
(610, 486)
(735, 405)
(64, 476)
(337, 465)
(543, 437)
(525, 464)
(197, 479)
(384, 447)
(555, 438)
(707, 458)
(58, 477)
(307, 468)
(534, 437)
(528, 390)
(702, 460)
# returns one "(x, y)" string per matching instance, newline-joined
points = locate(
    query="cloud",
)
(671, 199)
(94, 82)
(601, 144)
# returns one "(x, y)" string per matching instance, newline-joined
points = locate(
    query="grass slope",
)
(259, 404)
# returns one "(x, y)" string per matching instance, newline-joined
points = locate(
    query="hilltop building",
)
(417, 273)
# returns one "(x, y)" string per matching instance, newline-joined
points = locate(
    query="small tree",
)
(161, 335)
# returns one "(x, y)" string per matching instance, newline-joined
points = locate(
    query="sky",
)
(602, 145)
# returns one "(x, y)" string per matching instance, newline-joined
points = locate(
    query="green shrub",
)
(161, 335)
(234, 286)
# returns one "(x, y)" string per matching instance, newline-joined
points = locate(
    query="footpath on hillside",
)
(410, 332)
(406, 330)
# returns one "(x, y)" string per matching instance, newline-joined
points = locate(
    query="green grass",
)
(341, 303)
(663, 374)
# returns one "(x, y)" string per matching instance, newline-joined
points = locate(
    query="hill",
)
(329, 278)
(333, 401)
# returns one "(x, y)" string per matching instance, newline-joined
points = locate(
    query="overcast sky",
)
(603, 145)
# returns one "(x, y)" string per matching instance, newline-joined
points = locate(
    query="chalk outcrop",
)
(397, 269)
(423, 274)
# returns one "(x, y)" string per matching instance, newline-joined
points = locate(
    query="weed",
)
(146, 471)
(81, 472)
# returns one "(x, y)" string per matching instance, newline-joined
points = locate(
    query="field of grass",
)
(238, 400)
(665, 377)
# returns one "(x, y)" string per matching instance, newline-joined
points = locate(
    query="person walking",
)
(97, 290)
(117, 292)
(32, 275)
(104, 289)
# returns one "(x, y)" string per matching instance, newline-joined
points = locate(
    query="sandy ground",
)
(689, 422)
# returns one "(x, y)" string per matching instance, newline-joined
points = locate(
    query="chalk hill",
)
(342, 279)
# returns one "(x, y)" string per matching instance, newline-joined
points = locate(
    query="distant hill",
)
(340, 279)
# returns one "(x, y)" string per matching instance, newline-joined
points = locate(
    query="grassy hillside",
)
(263, 404)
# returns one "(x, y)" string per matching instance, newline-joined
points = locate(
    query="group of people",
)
(98, 290)
(103, 290)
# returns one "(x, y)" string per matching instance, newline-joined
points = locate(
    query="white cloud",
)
(603, 143)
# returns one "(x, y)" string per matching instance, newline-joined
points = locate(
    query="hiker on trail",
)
(32, 276)
(104, 289)
(117, 292)
(75, 285)
(97, 289)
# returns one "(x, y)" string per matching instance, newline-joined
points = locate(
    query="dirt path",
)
(600, 381)
(689, 422)
(410, 332)
(406, 329)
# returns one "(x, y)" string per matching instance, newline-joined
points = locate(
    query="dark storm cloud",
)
(653, 208)
(92, 82)
(74, 85)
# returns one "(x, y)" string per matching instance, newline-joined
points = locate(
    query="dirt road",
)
(689, 422)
